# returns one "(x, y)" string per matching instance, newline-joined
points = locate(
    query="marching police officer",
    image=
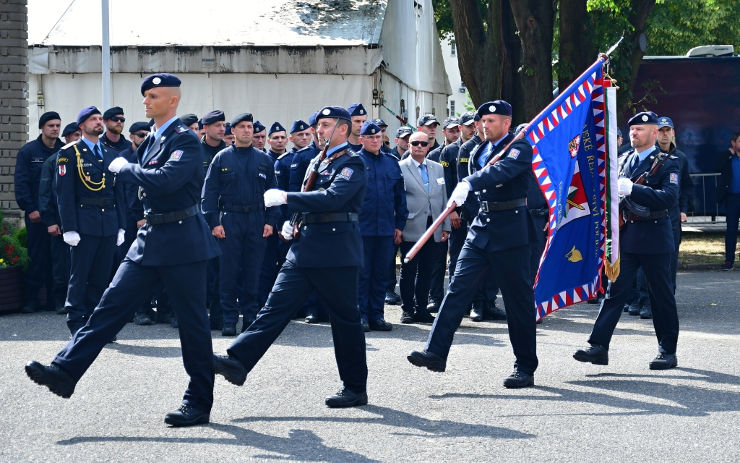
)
(27, 175)
(498, 242)
(91, 208)
(173, 247)
(325, 256)
(234, 209)
(645, 240)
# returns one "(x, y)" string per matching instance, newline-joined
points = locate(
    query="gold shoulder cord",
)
(89, 184)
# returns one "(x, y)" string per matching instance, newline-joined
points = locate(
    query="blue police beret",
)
(227, 129)
(243, 117)
(380, 123)
(258, 127)
(48, 116)
(85, 113)
(298, 126)
(214, 116)
(189, 119)
(275, 127)
(468, 118)
(500, 107)
(142, 125)
(665, 121)
(427, 119)
(114, 111)
(72, 127)
(356, 109)
(159, 80)
(333, 112)
(369, 128)
(645, 117)
(451, 122)
(312, 119)
(404, 131)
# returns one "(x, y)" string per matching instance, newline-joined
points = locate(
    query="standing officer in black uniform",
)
(646, 240)
(27, 175)
(112, 138)
(91, 207)
(173, 247)
(358, 116)
(302, 158)
(259, 137)
(326, 257)
(234, 209)
(497, 243)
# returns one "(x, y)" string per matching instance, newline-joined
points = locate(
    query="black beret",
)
(213, 116)
(241, 118)
(85, 113)
(275, 127)
(114, 111)
(141, 125)
(645, 117)
(298, 126)
(356, 109)
(72, 127)
(258, 127)
(500, 107)
(159, 80)
(189, 119)
(333, 112)
(48, 116)
(427, 119)
(369, 128)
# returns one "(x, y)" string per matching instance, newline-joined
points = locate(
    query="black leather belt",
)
(169, 217)
(491, 206)
(98, 202)
(653, 215)
(314, 217)
(240, 208)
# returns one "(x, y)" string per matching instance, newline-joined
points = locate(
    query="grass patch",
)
(702, 248)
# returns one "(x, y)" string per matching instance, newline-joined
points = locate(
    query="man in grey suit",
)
(426, 197)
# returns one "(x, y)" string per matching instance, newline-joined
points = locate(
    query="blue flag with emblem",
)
(569, 162)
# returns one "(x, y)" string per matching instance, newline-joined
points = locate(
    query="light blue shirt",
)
(158, 133)
(91, 146)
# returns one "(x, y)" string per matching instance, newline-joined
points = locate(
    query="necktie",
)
(424, 176)
(96, 150)
(483, 159)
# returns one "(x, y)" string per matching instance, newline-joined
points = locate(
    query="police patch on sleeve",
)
(514, 153)
(673, 178)
(345, 173)
(176, 155)
(62, 170)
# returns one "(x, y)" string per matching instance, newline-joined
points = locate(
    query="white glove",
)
(72, 238)
(121, 235)
(275, 197)
(116, 164)
(624, 186)
(459, 194)
(287, 230)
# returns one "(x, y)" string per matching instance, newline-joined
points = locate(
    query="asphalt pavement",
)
(576, 412)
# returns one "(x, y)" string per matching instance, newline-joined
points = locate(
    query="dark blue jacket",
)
(170, 175)
(339, 188)
(47, 193)
(28, 172)
(448, 160)
(134, 207)
(237, 178)
(384, 208)
(301, 160)
(282, 177)
(209, 152)
(119, 147)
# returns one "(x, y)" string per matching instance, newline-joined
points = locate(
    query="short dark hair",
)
(735, 136)
(344, 122)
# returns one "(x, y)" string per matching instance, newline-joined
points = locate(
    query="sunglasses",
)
(118, 119)
(141, 134)
(420, 143)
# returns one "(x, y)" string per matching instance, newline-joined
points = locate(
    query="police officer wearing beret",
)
(382, 220)
(497, 243)
(277, 138)
(191, 121)
(325, 256)
(91, 208)
(645, 240)
(234, 209)
(358, 115)
(259, 137)
(27, 174)
(173, 247)
(303, 157)
(113, 119)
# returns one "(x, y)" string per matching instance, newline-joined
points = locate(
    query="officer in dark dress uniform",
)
(497, 243)
(259, 137)
(358, 115)
(173, 247)
(301, 159)
(325, 256)
(234, 209)
(91, 207)
(645, 240)
(112, 138)
(27, 174)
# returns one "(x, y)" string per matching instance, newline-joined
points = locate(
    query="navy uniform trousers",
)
(91, 262)
(335, 285)
(658, 274)
(184, 284)
(378, 252)
(510, 268)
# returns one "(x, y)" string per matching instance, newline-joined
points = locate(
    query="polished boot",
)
(519, 380)
(230, 368)
(346, 398)
(595, 354)
(426, 359)
(53, 377)
(186, 415)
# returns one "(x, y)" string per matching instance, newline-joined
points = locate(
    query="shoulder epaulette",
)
(68, 145)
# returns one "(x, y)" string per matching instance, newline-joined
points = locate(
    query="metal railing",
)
(705, 208)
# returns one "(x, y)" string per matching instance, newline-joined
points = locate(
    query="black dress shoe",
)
(634, 310)
(519, 380)
(365, 325)
(52, 377)
(229, 330)
(494, 313)
(311, 318)
(595, 354)
(380, 325)
(391, 298)
(407, 317)
(346, 398)
(433, 306)
(664, 362)
(186, 415)
(230, 368)
(426, 359)
(476, 314)
(646, 313)
(423, 316)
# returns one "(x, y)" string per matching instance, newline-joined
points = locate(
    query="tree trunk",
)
(511, 90)
(577, 48)
(639, 12)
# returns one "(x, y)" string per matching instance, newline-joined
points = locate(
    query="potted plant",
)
(13, 260)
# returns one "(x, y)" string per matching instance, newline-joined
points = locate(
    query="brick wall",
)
(13, 92)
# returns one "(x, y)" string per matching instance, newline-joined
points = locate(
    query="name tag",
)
(440, 181)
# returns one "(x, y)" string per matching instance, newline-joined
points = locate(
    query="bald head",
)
(419, 145)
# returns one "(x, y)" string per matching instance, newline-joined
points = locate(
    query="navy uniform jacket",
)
(660, 193)
(28, 172)
(170, 175)
(356, 148)
(339, 188)
(282, 176)
(89, 212)
(301, 160)
(448, 159)
(686, 193)
(119, 147)
(506, 180)
(384, 207)
(238, 177)
(134, 208)
(47, 193)
(209, 152)
(435, 153)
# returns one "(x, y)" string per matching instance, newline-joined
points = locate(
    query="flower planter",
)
(11, 295)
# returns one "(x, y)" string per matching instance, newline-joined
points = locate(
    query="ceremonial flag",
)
(570, 163)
